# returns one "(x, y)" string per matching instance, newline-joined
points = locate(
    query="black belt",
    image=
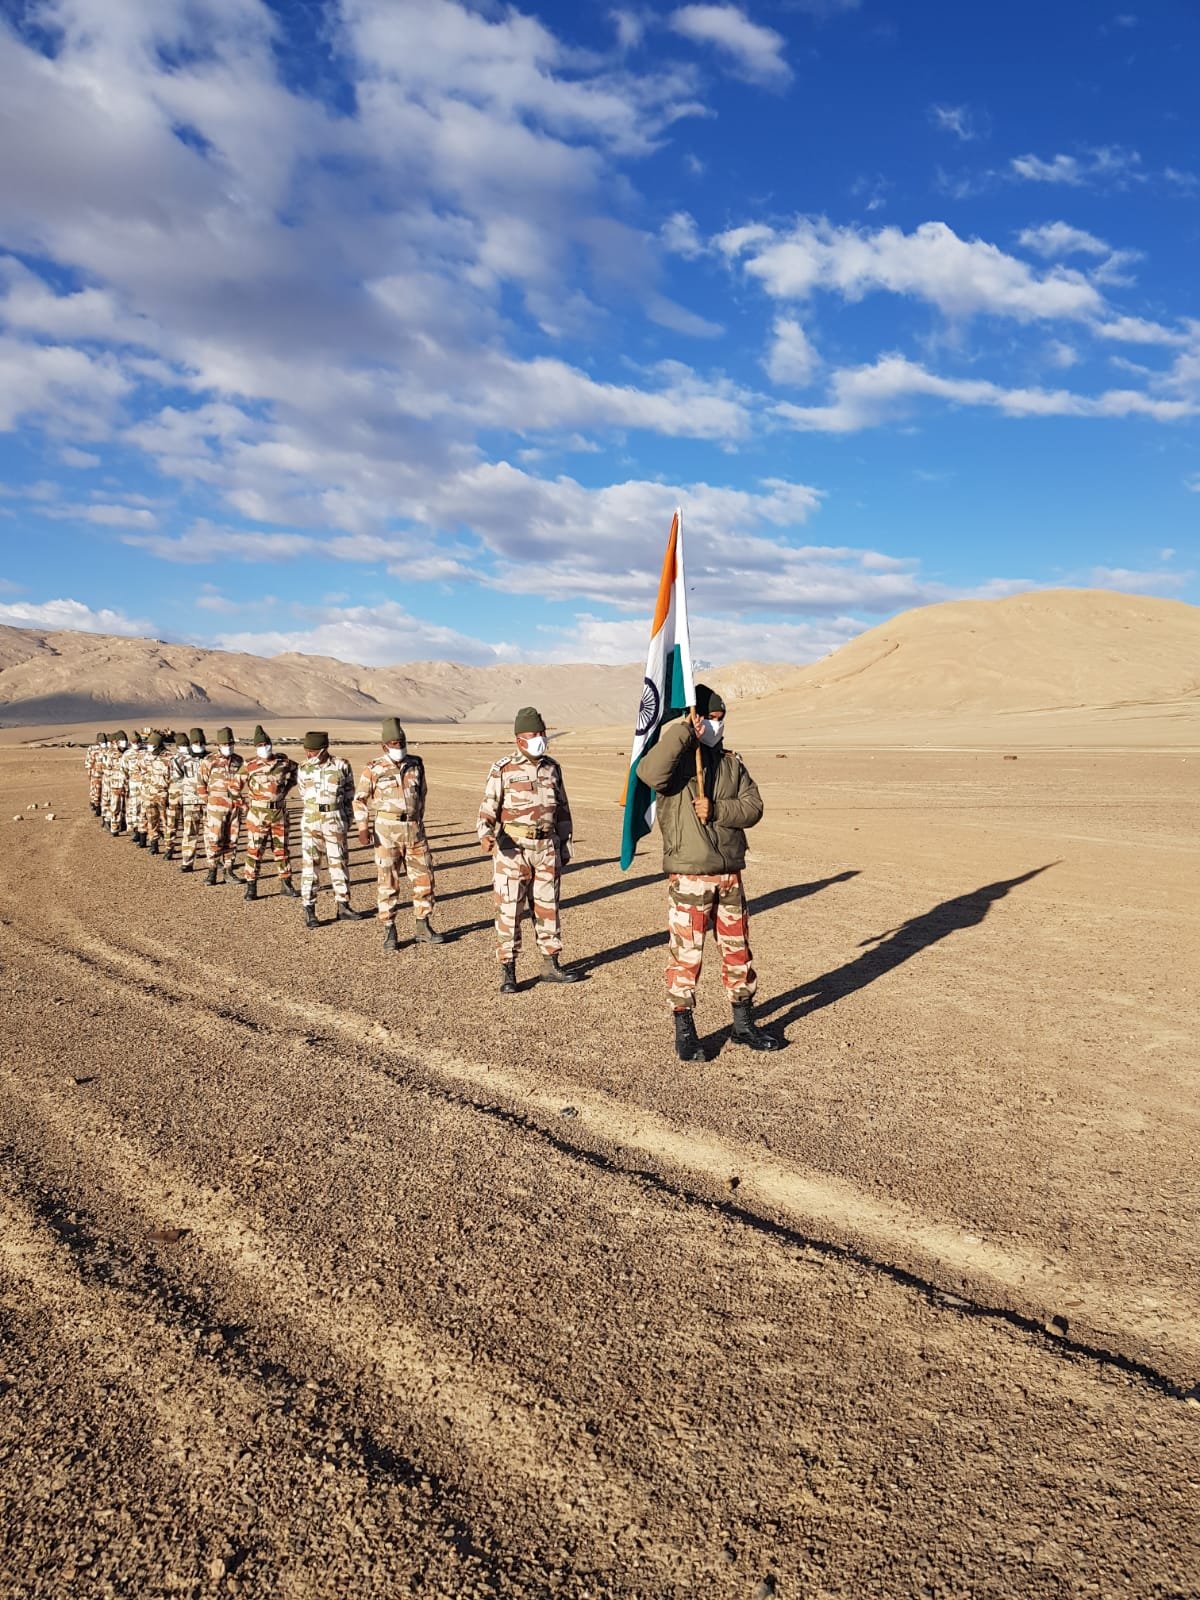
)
(329, 808)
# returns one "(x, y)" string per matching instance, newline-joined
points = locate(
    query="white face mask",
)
(226, 749)
(394, 753)
(711, 733)
(122, 744)
(197, 749)
(264, 750)
(535, 745)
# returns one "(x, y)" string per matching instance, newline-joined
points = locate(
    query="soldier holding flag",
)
(704, 799)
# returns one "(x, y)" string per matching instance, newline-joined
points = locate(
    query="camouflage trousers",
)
(697, 904)
(401, 849)
(222, 825)
(526, 879)
(116, 810)
(192, 818)
(95, 788)
(133, 808)
(323, 836)
(265, 823)
(174, 823)
(154, 816)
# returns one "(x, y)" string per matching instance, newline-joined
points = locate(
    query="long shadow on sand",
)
(891, 950)
(766, 902)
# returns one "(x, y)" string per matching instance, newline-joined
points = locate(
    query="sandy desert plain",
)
(327, 1273)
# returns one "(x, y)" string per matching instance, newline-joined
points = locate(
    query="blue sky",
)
(394, 329)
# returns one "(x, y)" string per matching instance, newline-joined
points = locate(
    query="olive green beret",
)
(259, 737)
(156, 741)
(121, 734)
(100, 738)
(529, 720)
(708, 700)
(316, 741)
(196, 736)
(390, 731)
(224, 735)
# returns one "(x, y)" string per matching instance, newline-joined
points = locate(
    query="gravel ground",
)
(330, 1273)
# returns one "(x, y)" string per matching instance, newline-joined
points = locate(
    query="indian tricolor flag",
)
(667, 688)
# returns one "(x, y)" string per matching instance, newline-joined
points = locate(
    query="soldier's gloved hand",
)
(364, 837)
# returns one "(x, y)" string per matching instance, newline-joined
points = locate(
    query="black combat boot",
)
(745, 1032)
(508, 978)
(347, 913)
(553, 973)
(288, 888)
(687, 1044)
(232, 875)
(390, 942)
(251, 889)
(210, 881)
(425, 934)
(139, 838)
(310, 916)
(188, 866)
(154, 847)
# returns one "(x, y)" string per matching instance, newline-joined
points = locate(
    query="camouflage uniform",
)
(326, 789)
(217, 786)
(695, 904)
(526, 814)
(155, 771)
(186, 767)
(391, 795)
(174, 821)
(263, 794)
(131, 786)
(94, 765)
(112, 800)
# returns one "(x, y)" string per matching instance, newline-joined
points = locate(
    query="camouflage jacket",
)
(525, 799)
(394, 789)
(326, 789)
(127, 769)
(112, 769)
(93, 761)
(186, 776)
(219, 780)
(155, 775)
(266, 781)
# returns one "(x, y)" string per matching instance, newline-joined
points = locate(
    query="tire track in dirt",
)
(1103, 1322)
(502, 1426)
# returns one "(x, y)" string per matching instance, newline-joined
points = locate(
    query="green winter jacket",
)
(669, 768)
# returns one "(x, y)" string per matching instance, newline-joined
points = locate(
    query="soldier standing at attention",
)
(704, 851)
(391, 795)
(156, 780)
(525, 826)
(266, 779)
(178, 743)
(187, 765)
(131, 766)
(217, 786)
(116, 782)
(94, 766)
(326, 788)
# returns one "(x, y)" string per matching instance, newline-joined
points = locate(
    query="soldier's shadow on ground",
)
(576, 866)
(884, 952)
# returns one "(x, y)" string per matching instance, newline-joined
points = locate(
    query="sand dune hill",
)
(1030, 652)
(54, 678)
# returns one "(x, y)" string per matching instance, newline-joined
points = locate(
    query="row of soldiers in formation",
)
(169, 790)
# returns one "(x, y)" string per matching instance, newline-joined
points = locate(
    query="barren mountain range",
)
(1040, 653)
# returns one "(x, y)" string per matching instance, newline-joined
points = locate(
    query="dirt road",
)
(329, 1273)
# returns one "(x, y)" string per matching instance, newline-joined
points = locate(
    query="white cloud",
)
(104, 515)
(71, 616)
(81, 460)
(791, 358)
(379, 635)
(715, 638)
(1193, 484)
(1132, 582)
(1103, 166)
(1166, 554)
(1056, 239)
(756, 52)
(957, 120)
(65, 389)
(1061, 354)
(864, 397)
(681, 237)
(961, 277)
(1138, 330)
(205, 543)
(630, 27)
